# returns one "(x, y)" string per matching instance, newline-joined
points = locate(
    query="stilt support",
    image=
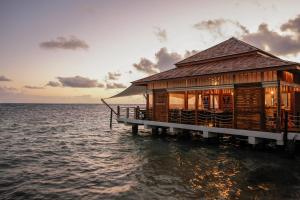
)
(135, 129)
(154, 130)
(207, 134)
(254, 140)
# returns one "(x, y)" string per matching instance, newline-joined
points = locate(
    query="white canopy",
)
(131, 90)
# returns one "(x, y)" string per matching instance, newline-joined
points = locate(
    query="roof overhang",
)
(131, 91)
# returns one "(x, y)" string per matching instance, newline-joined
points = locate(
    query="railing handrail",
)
(103, 101)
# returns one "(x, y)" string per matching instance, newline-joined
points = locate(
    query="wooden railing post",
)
(137, 112)
(118, 111)
(127, 113)
(111, 116)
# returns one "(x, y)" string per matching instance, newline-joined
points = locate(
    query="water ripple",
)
(68, 152)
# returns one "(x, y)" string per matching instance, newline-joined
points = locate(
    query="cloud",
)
(115, 86)
(292, 25)
(219, 27)
(71, 43)
(33, 87)
(114, 75)
(161, 34)
(4, 89)
(53, 84)
(164, 60)
(190, 53)
(3, 78)
(274, 42)
(145, 65)
(79, 82)
(286, 42)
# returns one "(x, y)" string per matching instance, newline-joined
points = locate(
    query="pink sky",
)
(92, 49)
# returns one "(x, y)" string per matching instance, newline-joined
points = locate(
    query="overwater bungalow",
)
(230, 88)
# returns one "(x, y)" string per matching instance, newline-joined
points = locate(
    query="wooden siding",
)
(160, 105)
(249, 106)
(214, 80)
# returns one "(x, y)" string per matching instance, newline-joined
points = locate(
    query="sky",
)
(79, 51)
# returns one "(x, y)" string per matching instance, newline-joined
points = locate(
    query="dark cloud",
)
(164, 60)
(3, 78)
(190, 53)
(145, 65)
(292, 25)
(71, 43)
(274, 42)
(218, 27)
(114, 75)
(161, 34)
(79, 82)
(284, 43)
(115, 86)
(33, 87)
(53, 84)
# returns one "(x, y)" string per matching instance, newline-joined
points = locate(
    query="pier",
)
(134, 116)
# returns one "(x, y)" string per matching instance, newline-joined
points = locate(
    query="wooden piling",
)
(286, 124)
(111, 116)
(135, 129)
(127, 112)
(118, 111)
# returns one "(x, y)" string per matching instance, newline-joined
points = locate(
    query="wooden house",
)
(232, 84)
(232, 88)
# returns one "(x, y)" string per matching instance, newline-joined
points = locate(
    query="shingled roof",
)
(231, 55)
(227, 48)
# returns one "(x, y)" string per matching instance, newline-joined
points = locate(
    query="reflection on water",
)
(68, 152)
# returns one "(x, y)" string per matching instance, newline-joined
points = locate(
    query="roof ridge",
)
(229, 47)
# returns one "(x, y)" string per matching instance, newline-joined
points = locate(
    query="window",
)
(286, 101)
(200, 102)
(270, 97)
(150, 100)
(176, 101)
(214, 102)
(191, 101)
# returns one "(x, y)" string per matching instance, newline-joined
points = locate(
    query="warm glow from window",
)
(214, 102)
(191, 101)
(286, 100)
(150, 96)
(200, 102)
(176, 101)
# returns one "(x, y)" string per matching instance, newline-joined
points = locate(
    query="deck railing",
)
(220, 119)
(133, 112)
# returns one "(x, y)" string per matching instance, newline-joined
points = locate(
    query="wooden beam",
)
(278, 114)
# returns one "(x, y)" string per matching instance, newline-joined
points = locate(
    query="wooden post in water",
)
(286, 124)
(118, 111)
(127, 113)
(111, 115)
(135, 129)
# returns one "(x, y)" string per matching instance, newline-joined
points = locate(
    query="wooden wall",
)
(160, 105)
(249, 106)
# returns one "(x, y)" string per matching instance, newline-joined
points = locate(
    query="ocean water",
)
(68, 152)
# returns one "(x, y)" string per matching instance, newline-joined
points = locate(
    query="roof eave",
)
(283, 67)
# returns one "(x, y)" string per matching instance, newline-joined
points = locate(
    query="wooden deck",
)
(254, 137)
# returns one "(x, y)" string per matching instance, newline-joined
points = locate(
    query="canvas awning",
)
(131, 90)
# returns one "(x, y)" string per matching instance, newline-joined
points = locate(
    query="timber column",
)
(278, 115)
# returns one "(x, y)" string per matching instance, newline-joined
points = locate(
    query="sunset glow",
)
(81, 51)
